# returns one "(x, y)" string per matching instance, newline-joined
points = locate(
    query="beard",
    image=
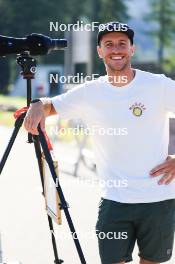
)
(117, 68)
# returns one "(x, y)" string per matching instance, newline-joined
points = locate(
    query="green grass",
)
(15, 101)
(6, 118)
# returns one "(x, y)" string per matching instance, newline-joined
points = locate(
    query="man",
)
(131, 108)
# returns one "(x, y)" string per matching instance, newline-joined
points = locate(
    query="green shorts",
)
(120, 225)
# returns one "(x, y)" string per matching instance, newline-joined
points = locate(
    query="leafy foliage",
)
(20, 18)
(162, 13)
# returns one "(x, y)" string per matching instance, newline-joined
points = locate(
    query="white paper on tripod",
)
(50, 192)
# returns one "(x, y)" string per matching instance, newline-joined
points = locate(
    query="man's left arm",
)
(167, 168)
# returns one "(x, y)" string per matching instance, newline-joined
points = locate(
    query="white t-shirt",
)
(130, 127)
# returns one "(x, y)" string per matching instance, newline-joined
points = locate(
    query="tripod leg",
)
(18, 124)
(60, 192)
(39, 159)
(57, 260)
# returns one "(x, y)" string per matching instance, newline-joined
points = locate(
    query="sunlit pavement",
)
(24, 229)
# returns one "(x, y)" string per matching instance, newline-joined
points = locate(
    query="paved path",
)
(23, 223)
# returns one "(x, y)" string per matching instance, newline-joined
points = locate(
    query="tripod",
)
(28, 65)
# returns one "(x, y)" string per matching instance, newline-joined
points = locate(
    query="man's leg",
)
(119, 263)
(115, 232)
(143, 261)
(155, 228)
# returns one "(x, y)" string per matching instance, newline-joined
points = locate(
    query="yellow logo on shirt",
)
(137, 109)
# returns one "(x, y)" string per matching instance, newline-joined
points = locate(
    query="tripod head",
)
(28, 65)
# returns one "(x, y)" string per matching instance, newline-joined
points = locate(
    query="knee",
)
(143, 261)
(119, 263)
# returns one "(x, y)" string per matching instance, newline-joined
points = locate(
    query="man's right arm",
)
(37, 114)
(69, 105)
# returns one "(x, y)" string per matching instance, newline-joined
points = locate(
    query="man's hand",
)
(35, 116)
(167, 168)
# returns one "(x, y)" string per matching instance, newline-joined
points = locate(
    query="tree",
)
(162, 14)
(20, 18)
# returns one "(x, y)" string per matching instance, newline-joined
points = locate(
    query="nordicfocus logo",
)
(111, 235)
(137, 109)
